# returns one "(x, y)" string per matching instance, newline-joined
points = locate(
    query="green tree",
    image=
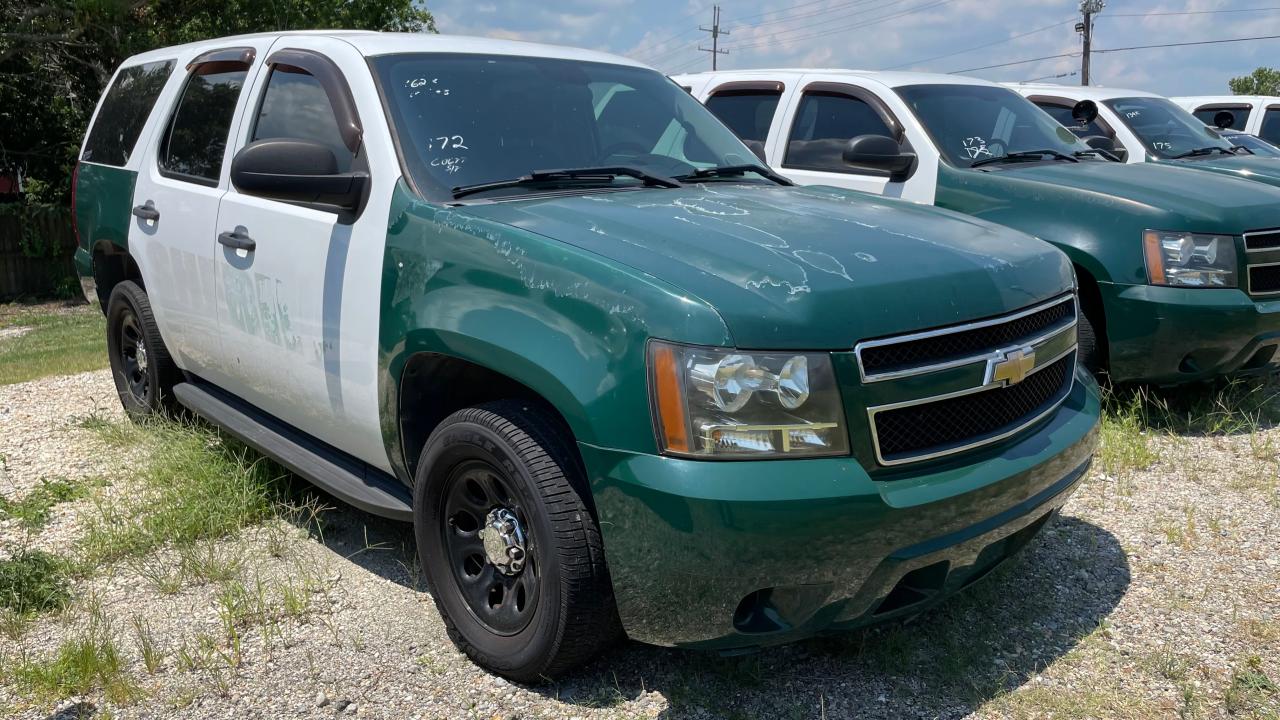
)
(1263, 81)
(56, 57)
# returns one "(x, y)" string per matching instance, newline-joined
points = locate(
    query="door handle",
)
(147, 212)
(237, 241)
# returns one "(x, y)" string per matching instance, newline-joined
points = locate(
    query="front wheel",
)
(509, 547)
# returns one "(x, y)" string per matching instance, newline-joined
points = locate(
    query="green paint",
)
(1245, 167)
(1096, 212)
(562, 294)
(104, 199)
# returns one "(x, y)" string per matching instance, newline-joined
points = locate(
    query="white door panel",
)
(299, 314)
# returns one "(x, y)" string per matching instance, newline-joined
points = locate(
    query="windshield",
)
(1260, 147)
(464, 119)
(1165, 129)
(972, 123)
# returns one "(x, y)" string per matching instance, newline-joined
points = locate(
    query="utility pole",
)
(1088, 8)
(716, 32)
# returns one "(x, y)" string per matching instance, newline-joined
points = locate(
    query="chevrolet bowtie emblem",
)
(1011, 366)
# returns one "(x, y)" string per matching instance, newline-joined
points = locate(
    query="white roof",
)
(1078, 92)
(376, 43)
(889, 78)
(1228, 99)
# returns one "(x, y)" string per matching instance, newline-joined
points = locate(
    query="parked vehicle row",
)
(621, 375)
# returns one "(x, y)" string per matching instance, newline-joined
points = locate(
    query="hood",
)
(1181, 194)
(1245, 167)
(813, 268)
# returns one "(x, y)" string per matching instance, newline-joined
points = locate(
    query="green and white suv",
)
(541, 303)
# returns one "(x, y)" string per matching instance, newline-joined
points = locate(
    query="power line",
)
(782, 35)
(1017, 62)
(980, 47)
(1119, 49)
(1193, 12)
(773, 39)
(813, 13)
(1073, 73)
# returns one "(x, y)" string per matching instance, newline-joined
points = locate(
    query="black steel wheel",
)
(508, 543)
(140, 363)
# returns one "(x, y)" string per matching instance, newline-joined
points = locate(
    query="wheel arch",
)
(112, 264)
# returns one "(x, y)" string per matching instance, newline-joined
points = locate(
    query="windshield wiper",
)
(1025, 156)
(735, 171)
(1203, 151)
(1099, 152)
(538, 177)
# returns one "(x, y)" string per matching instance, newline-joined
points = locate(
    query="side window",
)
(1207, 114)
(124, 111)
(295, 105)
(196, 139)
(1062, 114)
(824, 124)
(1270, 130)
(748, 113)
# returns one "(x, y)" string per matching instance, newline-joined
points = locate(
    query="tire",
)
(1091, 353)
(555, 609)
(140, 363)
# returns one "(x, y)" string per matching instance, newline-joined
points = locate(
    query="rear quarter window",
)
(124, 111)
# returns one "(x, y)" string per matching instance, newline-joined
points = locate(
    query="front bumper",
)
(724, 555)
(1172, 335)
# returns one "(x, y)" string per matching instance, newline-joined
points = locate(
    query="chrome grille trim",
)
(1257, 233)
(1053, 405)
(977, 325)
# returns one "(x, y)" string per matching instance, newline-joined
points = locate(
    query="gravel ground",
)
(1155, 594)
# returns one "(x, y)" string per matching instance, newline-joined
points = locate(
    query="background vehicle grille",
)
(944, 346)
(1265, 240)
(921, 430)
(1264, 278)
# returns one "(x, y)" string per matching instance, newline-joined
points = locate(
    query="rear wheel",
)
(140, 363)
(510, 549)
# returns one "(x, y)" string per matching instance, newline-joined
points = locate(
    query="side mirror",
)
(877, 152)
(1084, 112)
(756, 147)
(1100, 142)
(1224, 119)
(301, 171)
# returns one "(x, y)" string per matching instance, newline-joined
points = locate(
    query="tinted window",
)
(748, 113)
(1063, 115)
(1256, 145)
(296, 106)
(970, 123)
(124, 111)
(1239, 115)
(823, 127)
(196, 139)
(1270, 130)
(467, 119)
(1164, 128)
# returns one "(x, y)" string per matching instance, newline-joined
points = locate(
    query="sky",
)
(926, 35)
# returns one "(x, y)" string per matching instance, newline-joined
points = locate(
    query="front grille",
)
(943, 426)
(965, 341)
(1264, 278)
(1262, 240)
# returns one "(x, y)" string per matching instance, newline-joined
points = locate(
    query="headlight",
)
(726, 403)
(1190, 260)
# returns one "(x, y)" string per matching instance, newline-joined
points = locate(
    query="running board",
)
(341, 475)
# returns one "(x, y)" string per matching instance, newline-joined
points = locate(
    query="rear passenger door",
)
(298, 301)
(175, 204)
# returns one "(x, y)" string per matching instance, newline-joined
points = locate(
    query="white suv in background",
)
(1254, 114)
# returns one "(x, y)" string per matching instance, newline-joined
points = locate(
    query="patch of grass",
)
(193, 485)
(1126, 439)
(33, 510)
(1242, 405)
(152, 655)
(59, 342)
(1251, 691)
(33, 581)
(90, 660)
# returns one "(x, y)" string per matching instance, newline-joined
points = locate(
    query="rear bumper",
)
(1173, 335)
(725, 555)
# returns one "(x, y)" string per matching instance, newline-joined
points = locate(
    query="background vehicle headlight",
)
(726, 403)
(1190, 260)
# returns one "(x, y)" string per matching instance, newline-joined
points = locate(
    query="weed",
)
(87, 661)
(33, 581)
(1249, 688)
(1126, 442)
(152, 655)
(33, 510)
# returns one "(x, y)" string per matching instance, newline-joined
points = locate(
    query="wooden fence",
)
(36, 249)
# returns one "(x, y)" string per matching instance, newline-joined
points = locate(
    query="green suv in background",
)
(1179, 270)
(539, 302)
